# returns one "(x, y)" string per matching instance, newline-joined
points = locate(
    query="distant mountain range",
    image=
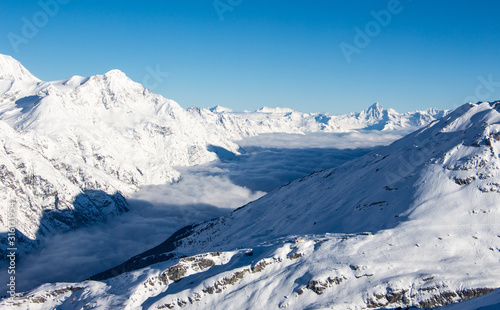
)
(70, 150)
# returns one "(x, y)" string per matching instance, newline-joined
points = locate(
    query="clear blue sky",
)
(270, 53)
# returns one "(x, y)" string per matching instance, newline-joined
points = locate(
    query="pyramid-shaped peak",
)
(375, 111)
(376, 106)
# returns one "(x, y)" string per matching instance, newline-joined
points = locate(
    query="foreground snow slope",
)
(70, 149)
(415, 224)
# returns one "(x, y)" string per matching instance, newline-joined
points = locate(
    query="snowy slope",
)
(415, 224)
(71, 149)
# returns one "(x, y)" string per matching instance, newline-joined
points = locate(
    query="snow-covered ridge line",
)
(66, 147)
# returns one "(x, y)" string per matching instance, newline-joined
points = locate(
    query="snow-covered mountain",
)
(70, 150)
(413, 225)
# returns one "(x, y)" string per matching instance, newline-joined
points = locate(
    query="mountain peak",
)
(374, 112)
(115, 73)
(11, 69)
(376, 106)
(115, 81)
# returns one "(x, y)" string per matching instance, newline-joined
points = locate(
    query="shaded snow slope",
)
(414, 224)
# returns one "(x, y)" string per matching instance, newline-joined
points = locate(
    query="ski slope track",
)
(71, 150)
(415, 224)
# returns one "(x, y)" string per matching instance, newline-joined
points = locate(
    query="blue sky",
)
(269, 53)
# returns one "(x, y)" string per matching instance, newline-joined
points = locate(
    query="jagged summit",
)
(375, 111)
(375, 106)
